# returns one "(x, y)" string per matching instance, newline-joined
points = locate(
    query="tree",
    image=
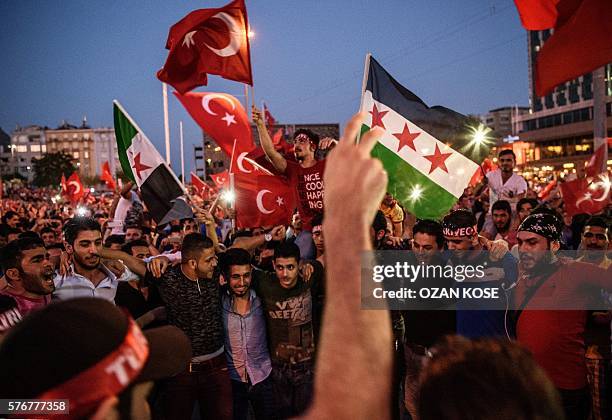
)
(48, 169)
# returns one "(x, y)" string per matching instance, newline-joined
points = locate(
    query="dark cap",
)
(57, 343)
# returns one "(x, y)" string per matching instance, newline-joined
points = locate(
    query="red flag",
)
(262, 200)
(270, 121)
(581, 42)
(596, 163)
(221, 179)
(586, 195)
(107, 177)
(74, 187)
(222, 117)
(543, 195)
(211, 41)
(201, 187)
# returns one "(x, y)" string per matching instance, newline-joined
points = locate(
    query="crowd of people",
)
(194, 319)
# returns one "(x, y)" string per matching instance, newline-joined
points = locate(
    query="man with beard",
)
(86, 275)
(302, 239)
(595, 242)
(502, 221)
(246, 347)
(468, 249)
(317, 237)
(306, 174)
(503, 183)
(547, 288)
(29, 274)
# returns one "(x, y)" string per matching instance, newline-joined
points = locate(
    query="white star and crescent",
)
(280, 201)
(259, 201)
(229, 119)
(207, 98)
(236, 33)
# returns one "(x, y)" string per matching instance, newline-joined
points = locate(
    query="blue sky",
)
(65, 59)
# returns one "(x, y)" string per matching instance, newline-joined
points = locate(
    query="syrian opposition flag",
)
(425, 174)
(586, 195)
(142, 163)
(211, 41)
(222, 117)
(262, 200)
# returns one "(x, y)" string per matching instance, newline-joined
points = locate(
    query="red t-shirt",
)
(556, 337)
(309, 189)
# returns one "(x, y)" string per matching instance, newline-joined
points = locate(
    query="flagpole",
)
(232, 157)
(252, 97)
(246, 101)
(182, 152)
(366, 66)
(166, 126)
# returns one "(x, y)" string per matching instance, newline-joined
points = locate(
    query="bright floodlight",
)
(480, 135)
(81, 211)
(415, 193)
(251, 34)
(92, 190)
(228, 196)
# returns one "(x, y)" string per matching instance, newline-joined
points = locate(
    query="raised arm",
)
(279, 162)
(356, 344)
(134, 264)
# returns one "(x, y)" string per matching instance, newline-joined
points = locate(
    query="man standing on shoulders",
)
(246, 346)
(504, 184)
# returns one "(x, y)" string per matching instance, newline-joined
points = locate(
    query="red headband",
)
(458, 232)
(106, 378)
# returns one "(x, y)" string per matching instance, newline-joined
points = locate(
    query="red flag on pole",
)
(63, 185)
(596, 162)
(262, 200)
(202, 188)
(75, 190)
(581, 42)
(586, 195)
(221, 179)
(211, 41)
(222, 117)
(107, 177)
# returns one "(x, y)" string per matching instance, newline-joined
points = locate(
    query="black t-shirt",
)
(195, 310)
(289, 314)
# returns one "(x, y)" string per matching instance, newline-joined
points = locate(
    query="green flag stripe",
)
(433, 202)
(124, 132)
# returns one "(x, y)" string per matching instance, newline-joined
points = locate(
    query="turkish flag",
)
(586, 195)
(596, 163)
(581, 42)
(107, 177)
(222, 117)
(543, 195)
(211, 41)
(75, 190)
(221, 179)
(202, 188)
(262, 200)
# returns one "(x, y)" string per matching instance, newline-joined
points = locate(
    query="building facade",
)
(503, 120)
(557, 133)
(26, 143)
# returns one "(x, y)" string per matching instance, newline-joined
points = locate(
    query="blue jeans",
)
(259, 395)
(293, 387)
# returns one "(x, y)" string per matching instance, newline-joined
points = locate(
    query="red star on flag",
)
(438, 160)
(377, 117)
(139, 166)
(406, 138)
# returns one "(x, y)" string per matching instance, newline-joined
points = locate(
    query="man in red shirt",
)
(306, 173)
(547, 285)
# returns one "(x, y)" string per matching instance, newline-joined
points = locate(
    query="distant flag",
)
(63, 185)
(74, 188)
(142, 163)
(596, 162)
(581, 42)
(211, 41)
(586, 195)
(201, 187)
(426, 175)
(221, 179)
(107, 177)
(543, 195)
(222, 117)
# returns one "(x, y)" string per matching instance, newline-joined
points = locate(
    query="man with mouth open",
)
(29, 274)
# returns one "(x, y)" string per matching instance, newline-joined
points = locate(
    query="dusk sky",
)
(66, 59)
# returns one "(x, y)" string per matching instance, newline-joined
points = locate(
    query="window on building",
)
(44, 148)
(86, 136)
(573, 92)
(587, 86)
(560, 97)
(22, 148)
(75, 155)
(86, 153)
(537, 104)
(35, 148)
(548, 101)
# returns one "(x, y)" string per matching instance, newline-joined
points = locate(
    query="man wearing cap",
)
(467, 248)
(557, 289)
(29, 274)
(306, 174)
(90, 353)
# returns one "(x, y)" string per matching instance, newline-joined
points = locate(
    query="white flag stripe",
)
(460, 168)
